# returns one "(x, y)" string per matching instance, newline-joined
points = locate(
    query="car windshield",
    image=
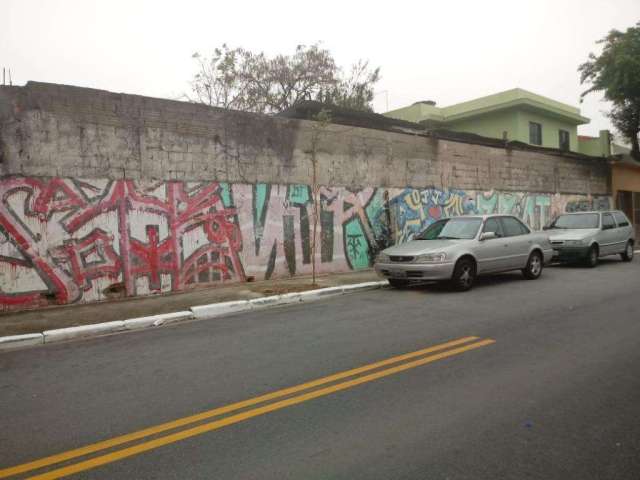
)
(582, 220)
(451, 228)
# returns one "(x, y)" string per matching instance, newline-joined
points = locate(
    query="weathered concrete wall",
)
(51, 130)
(105, 195)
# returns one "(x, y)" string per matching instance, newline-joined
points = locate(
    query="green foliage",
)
(626, 118)
(354, 91)
(243, 80)
(616, 72)
(323, 117)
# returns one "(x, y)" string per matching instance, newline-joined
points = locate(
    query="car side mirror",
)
(487, 236)
(546, 227)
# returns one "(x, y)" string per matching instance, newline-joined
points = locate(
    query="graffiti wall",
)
(415, 209)
(68, 241)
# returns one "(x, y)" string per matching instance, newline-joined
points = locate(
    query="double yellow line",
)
(406, 362)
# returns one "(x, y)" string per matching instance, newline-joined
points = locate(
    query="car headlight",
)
(574, 243)
(431, 258)
(382, 258)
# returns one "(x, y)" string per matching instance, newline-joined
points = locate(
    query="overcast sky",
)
(448, 51)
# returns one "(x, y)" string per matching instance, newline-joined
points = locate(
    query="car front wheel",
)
(533, 269)
(464, 275)
(592, 257)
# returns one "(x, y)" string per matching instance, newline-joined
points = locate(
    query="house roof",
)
(510, 99)
(624, 160)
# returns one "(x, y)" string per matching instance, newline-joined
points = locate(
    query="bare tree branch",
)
(243, 80)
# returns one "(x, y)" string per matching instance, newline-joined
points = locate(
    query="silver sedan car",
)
(458, 249)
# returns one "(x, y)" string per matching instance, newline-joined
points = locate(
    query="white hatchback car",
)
(587, 236)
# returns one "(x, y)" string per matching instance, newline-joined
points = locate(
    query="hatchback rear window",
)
(579, 220)
(621, 219)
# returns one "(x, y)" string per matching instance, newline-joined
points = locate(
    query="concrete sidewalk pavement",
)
(33, 321)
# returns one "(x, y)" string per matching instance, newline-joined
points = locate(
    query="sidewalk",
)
(34, 321)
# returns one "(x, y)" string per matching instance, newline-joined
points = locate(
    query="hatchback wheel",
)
(592, 257)
(627, 256)
(464, 275)
(533, 269)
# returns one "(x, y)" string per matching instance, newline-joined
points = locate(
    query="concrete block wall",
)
(63, 131)
(105, 195)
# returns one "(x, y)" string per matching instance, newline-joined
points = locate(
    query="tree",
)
(217, 81)
(626, 119)
(322, 121)
(616, 71)
(243, 80)
(355, 91)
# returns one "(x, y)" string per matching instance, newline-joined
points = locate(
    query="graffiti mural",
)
(585, 205)
(67, 240)
(79, 237)
(72, 241)
(414, 210)
(417, 209)
(533, 209)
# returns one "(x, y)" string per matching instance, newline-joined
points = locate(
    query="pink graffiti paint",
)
(72, 213)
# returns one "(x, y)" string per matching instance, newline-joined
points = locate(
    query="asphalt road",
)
(557, 396)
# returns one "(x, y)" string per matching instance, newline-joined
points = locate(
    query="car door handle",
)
(506, 244)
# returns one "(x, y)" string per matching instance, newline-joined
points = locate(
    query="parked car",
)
(587, 236)
(457, 249)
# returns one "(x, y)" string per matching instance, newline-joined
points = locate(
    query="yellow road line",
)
(113, 442)
(208, 427)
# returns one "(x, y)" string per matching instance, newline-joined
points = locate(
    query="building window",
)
(563, 140)
(535, 133)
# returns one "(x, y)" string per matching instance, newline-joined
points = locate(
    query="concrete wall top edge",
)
(58, 130)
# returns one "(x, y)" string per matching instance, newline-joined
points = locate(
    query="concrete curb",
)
(311, 295)
(82, 331)
(364, 286)
(199, 312)
(215, 310)
(16, 341)
(157, 320)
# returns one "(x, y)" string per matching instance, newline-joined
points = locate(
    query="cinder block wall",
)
(56, 130)
(105, 194)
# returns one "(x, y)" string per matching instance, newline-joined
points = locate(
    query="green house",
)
(512, 115)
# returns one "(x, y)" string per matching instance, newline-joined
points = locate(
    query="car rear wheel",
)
(464, 275)
(627, 256)
(592, 257)
(396, 283)
(534, 266)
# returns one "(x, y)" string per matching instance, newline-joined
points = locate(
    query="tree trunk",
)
(635, 147)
